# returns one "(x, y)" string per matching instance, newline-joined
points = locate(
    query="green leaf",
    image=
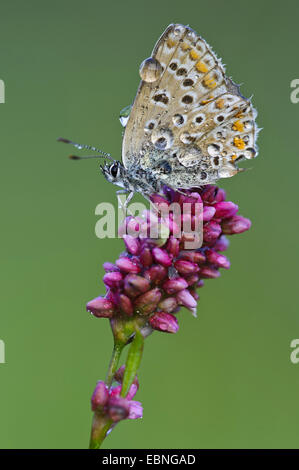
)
(133, 362)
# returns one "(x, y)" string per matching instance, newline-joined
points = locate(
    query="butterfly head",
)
(114, 172)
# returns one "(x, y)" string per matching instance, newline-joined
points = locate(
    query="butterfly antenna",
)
(100, 153)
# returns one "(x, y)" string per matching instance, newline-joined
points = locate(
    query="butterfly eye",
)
(114, 170)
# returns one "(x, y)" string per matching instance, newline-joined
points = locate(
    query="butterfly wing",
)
(189, 123)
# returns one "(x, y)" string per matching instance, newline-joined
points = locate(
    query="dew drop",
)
(249, 153)
(150, 70)
(124, 115)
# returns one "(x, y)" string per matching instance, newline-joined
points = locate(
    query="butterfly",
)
(189, 125)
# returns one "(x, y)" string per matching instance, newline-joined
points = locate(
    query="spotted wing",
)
(189, 123)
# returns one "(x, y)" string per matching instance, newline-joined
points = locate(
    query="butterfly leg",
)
(124, 205)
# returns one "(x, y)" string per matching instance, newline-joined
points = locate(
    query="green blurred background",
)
(225, 380)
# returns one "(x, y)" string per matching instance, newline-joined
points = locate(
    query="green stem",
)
(100, 426)
(116, 353)
(132, 362)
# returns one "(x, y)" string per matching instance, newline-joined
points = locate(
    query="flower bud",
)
(110, 267)
(192, 279)
(209, 273)
(236, 224)
(125, 304)
(208, 213)
(100, 396)
(211, 231)
(165, 322)
(225, 209)
(216, 258)
(119, 408)
(127, 266)
(146, 303)
(221, 195)
(173, 246)
(113, 279)
(156, 274)
(100, 307)
(193, 256)
(145, 257)
(221, 244)
(185, 298)
(132, 244)
(172, 286)
(135, 410)
(161, 257)
(186, 267)
(209, 193)
(168, 305)
(135, 285)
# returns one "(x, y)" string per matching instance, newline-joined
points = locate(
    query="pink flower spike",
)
(146, 303)
(100, 307)
(156, 274)
(132, 244)
(221, 244)
(209, 194)
(168, 305)
(185, 298)
(225, 209)
(165, 322)
(132, 392)
(208, 213)
(115, 391)
(100, 396)
(236, 224)
(135, 410)
(162, 257)
(173, 246)
(118, 408)
(145, 257)
(221, 195)
(126, 305)
(211, 231)
(209, 273)
(192, 279)
(127, 266)
(186, 267)
(172, 286)
(135, 285)
(113, 279)
(110, 267)
(193, 256)
(218, 259)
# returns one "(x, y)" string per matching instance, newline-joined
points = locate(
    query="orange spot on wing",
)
(238, 126)
(220, 103)
(170, 43)
(201, 67)
(185, 46)
(193, 55)
(239, 143)
(209, 82)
